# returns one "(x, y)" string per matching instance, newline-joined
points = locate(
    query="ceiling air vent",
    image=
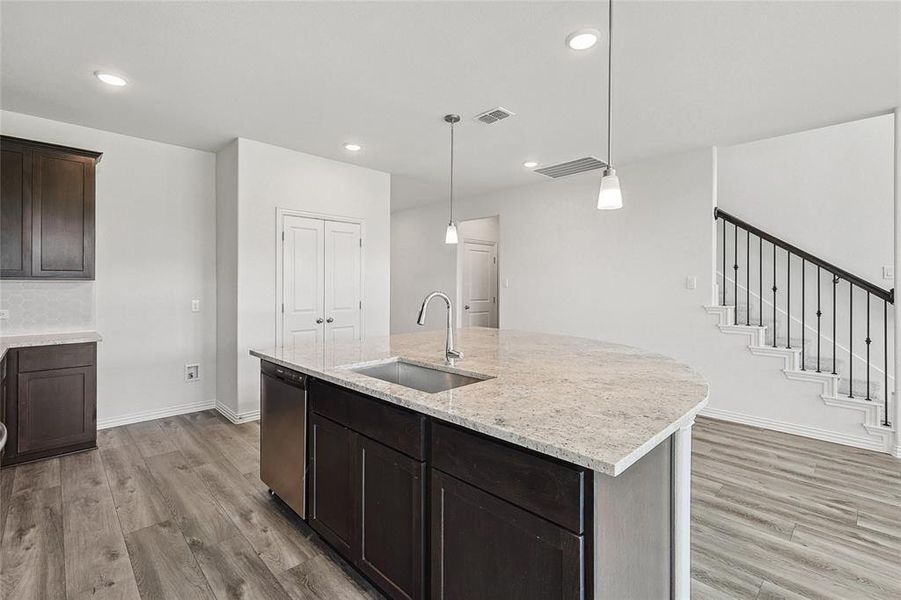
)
(580, 165)
(494, 115)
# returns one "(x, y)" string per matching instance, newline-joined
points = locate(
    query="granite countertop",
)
(599, 405)
(46, 339)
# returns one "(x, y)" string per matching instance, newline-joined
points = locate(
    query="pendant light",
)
(450, 237)
(610, 196)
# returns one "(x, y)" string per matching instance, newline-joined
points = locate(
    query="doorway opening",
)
(478, 300)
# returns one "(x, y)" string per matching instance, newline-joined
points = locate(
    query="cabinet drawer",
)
(551, 489)
(63, 356)
(394, 427)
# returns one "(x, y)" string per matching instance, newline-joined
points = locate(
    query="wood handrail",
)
(887, 295)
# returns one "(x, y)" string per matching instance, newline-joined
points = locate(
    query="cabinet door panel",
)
(15, 210)
(483, 548)
(56, 408)
(333, 491)
(391, 528)
(63, 225)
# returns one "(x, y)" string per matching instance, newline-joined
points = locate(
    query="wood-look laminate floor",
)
(174, 508)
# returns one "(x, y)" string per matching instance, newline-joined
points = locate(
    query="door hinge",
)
(361, 242)
(283, 236)
(494, 299)
(361, 305)
(494, 259)
(283, 307)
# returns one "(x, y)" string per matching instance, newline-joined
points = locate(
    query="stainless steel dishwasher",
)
(283, 434)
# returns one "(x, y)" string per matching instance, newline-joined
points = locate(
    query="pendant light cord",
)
(452, 173)
(609, 83)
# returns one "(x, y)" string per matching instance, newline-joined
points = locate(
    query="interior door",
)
(303, 276)
(479, 282)
(343, 287)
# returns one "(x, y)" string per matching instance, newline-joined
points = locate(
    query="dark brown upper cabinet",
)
(46, 210)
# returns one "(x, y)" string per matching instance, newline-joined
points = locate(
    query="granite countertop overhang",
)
(595, 404)
(26, 340)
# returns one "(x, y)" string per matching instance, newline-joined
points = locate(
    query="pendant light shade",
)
(450, 236)
(610, 197)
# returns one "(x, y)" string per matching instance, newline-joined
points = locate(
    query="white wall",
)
(827, 191)
(269, 177)
(617, 276)
(227, 276)
(156, 245)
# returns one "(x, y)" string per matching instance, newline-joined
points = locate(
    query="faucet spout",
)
(450, 353)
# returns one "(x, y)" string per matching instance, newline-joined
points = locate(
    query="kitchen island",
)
(559, 468)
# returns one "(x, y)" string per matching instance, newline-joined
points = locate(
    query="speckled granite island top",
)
(602, 406)
(25, 340)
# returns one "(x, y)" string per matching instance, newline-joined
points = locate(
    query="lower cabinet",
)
(56, 409)
(366, 500)
(391, 519)
(503, 523)
(334, 499)
(50, 401)
(484, 548)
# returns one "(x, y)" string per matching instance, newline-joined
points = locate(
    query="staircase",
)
(814, 332)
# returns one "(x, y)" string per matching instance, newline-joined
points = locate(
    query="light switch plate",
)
(4, 314)
(888, 272)
(192, 372)
(691, 283)
(195, 305)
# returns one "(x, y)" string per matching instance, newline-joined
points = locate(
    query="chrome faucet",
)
(451, 354)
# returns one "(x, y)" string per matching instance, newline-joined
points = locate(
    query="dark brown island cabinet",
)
(425, 509)
(46, 210)
(49, 401)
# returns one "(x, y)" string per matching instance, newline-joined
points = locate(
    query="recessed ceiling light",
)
(583, 39)
(353, 147)
(530, 164)
(110, 79)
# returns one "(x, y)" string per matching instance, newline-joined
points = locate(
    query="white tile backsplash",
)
(47, 306)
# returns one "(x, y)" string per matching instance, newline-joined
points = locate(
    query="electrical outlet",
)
(888, 272)
(4, 314)
(192, 372)
(691, 283)
(195, 305)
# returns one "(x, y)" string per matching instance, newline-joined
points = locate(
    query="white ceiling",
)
(312, 76)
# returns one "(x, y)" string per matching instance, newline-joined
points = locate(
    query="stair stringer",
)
(870, 410)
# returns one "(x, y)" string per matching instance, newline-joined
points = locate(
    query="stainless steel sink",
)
(417, 377)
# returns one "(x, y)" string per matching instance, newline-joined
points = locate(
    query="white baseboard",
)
(809, 432)
(236, 418)
(896, 452)
(157, 413)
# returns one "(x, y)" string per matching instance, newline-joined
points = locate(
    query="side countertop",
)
(8, 342)
(599, 405)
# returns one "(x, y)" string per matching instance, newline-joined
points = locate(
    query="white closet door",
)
(479, 284)
(343, 286)
(303, 264)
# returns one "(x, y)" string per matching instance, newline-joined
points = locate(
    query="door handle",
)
(319, 321)
(330, 320)
(466, 307)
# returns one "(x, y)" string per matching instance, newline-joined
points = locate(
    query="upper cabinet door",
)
(46, 210)
(15, 210)
(63, 221)
(343, 281)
